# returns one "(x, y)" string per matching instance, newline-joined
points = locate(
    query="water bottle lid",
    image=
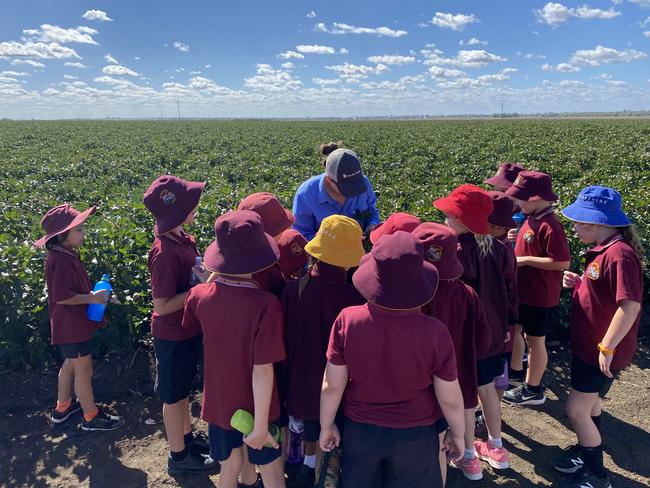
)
(198, 260)
(106, 277)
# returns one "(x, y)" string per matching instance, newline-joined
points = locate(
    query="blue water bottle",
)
(95, 311)
(519, 218)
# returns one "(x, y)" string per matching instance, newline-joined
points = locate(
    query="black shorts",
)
(176, 363)
(312, 430)
(535, 320)
(489, 368)
(223, 441)
(588, 378)
(441, 425)
(76, 349)
(392, 458)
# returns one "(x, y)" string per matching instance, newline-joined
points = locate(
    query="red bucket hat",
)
(468, 204)
(171, 199)
(440, 249)
(293, 257)
(394, 275)
(275, 217)
(241, 246)
(61, 219)
(532, 185)
(501, 216)
(397, 221)
(505, 175)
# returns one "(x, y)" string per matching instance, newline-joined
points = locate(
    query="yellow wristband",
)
(605, 351)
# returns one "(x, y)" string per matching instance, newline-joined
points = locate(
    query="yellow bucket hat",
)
(338, 242)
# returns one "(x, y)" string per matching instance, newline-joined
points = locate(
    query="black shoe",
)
(522, 395)
(200, 445)
(569, 461)
(102, 422)
(60, 417)
(191, 464)
(258, 484)
(306, 477)
(583, 478)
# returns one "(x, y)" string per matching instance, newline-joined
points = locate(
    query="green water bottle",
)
(244, 422)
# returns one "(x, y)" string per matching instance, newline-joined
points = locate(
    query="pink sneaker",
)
(497, 457)
(471, 468)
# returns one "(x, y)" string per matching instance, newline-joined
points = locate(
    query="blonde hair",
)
(484, 242)
(631, 235)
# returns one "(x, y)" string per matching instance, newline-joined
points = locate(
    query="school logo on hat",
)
(434, 253)
(296, 250)
(517, 180)
(593, 271)
(167, 197)
(529, 236)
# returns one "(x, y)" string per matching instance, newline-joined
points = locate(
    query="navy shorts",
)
(76, 350)
(489, 368)
(312, 430)
(534, 320)
(223, 441)
(176, 363)
(441, 425)
(588, 378)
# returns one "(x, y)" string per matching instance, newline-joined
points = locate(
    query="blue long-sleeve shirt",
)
(312, 204)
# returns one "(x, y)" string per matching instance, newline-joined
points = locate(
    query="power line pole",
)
(178, 106)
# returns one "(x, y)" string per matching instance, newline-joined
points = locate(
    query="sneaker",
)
(102, 422)
(583, 478)
(193, 463)
(516, 378)
(60, 417)
(258, 484)
(200, 445)
(471, 468)
(522, 395)
(569, 461)
(497, 457)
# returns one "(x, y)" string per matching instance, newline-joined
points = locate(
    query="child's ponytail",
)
(631, 235)
(484, 244)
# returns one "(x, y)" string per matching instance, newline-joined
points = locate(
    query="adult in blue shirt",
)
(342, 189)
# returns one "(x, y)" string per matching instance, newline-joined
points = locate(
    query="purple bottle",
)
(296, 450)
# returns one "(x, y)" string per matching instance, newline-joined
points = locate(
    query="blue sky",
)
(318, 58)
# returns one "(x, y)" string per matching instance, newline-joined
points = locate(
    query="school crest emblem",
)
(529, 236)
(434, 253)
(167, 197)
(593, 271)
(296, 250)
(518, 180)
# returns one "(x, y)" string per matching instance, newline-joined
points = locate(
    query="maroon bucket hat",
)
(275, 217)
(61, 219)
(394, 274)
(397, 221)
(532, 185)
(505, 176)
(440, 249)
(501, 216)
(293, 257)
(241, 246)
(171, 199)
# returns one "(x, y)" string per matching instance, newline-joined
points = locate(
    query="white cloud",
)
(567, 68)
(642, 3)
(554, 14)
(14, 73)
(41, 50)
(476, 58)
(288, 65)
(341, 28)
(75, 64)
(208, 66)
(54, 33)
(586, 12)
(325, 81)
(473, 42)
(181, 46)
(605, 55)
(438, 73)
(547, 67)
(404, 83)
(70, 77)
(343, 51)
(117, 70)
(311, 15)
(572, 84)
(110, 59)
(534, 56)
(272, 80)
(618, 83)
(27, 62)
(391, 59)
(315, 49)
(646, 33)
(97, 15)
(290, 55)
(358, 69)
(456, 22)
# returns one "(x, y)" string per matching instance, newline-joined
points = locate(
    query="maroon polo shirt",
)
(612, 274)
(66, 277)
(541, 235)
(242, 327)
(492, 277)
(308, 324)
(392, 357)
(458, 307)
(171, 259)
(513, 302)
(271, 280)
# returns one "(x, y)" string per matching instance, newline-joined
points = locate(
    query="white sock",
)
(495, 441)
(469, 453)
(310, 461)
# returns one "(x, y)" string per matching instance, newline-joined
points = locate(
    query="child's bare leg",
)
(518, 348)
(537, 359)
(65, 382)
(470, 426)
(273, 474)
(83, 387)
(230, 469)
(442, 458)
(187, 422)
(173, 419)
(578, 408)
(491, 406)
(248, 472)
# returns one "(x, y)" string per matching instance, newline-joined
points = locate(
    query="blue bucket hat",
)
(597, 205)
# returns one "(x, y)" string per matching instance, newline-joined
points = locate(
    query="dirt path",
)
(33, 454)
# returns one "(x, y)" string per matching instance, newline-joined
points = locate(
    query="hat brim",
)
(498, 181)
(264, 257)
(505, 222)
(352, 187)
(449, 207)
(336, 256)
(449, 270)
(78, 220)
(578, 213)
(527, 196)
(170, 222)
(281, 226)
(395, 296)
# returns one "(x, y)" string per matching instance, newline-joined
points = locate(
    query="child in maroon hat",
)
(69, 293)
(488, 270)
(397, 221)
(457, 306)
(397, 369)
(242, 339)
(173, 202)
(542, 253)
(505, 176)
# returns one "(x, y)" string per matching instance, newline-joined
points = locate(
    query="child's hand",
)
(329, 438)
(512, 235)
(100, 296)
(604, 362)
(454, 446)
(522, 261)
(259, 439)
(201, 273)
(571, 280)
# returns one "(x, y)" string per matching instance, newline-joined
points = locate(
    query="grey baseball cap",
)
(344, 167)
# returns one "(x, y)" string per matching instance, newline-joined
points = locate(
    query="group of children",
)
(385, 354)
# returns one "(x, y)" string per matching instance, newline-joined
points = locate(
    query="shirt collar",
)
(606, 243)
(388, 312)
(65, 251)
(184, 238)
(238, 282)
(323, 196)
(542, 213)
